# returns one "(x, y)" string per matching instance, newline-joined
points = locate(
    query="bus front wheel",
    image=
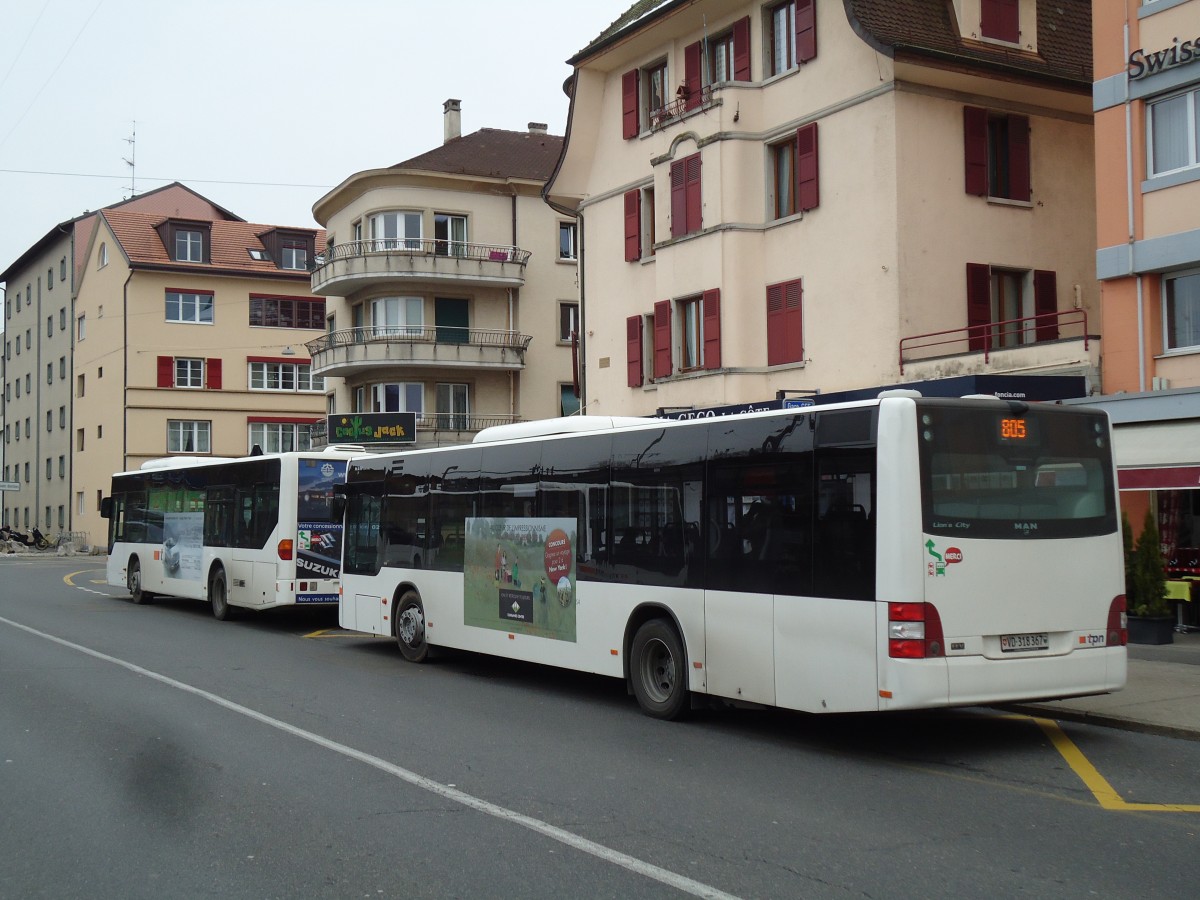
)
(218, 595)
(410, 627)
(133, 581)
(657, 671)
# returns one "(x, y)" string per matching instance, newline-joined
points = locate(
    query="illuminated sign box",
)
(372, 428)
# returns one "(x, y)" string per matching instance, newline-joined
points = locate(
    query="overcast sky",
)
(259, 105)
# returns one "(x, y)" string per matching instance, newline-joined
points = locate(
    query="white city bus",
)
(254, 532)
(890, 554)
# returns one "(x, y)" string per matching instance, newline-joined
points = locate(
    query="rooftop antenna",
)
(132, 161)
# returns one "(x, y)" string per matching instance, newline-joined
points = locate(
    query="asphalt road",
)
(155, 752)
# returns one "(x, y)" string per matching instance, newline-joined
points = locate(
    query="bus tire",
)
(218, 596)
(133, 580)
(410, 627)
(657, 670)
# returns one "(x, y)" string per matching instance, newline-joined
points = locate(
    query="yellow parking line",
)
(1104, 793)
(67, 578)
(325, 633)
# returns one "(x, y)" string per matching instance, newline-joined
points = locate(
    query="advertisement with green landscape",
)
(519, 576)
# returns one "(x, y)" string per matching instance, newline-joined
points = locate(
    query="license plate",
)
(1015, 643)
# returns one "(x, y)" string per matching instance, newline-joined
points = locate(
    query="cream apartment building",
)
(819, 195)
(452, 290)
(189, 329)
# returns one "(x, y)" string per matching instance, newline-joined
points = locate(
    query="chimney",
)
(452, 120)
(538, 127)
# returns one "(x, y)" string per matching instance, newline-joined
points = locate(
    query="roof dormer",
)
(1010, 23)
(290, 249)
(186, 241)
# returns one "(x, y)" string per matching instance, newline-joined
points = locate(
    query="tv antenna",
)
(132, 162)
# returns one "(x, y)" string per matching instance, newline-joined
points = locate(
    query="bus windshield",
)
(1014, 472)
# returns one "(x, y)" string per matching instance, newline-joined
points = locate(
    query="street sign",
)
(10, 485)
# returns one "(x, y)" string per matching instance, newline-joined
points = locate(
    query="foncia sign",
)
(1180, 53)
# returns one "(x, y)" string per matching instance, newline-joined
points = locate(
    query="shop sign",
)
(373, 428)
(1180, 53)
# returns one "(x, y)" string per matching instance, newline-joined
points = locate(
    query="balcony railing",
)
(424, 247)
(995, 336)
(419, 334)
(660, 118)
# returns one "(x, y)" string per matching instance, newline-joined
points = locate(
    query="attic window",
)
(260, 255)
(1000, 20)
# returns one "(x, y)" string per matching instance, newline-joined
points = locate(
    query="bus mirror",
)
(106, 508)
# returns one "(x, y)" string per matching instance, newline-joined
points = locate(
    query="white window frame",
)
(184, 432)
(1191, 128)
(568, 316)
(453, 406)
(189, 245)
(397, 229)
(1192, 315)
(285, 377)
(293, 254)
(189, 372)
(279, 437)
(190, 307)
(398, 317)
(568, 241)
(411, 396)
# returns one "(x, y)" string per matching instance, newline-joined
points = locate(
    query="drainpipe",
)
(125, 375)
(1141, 313)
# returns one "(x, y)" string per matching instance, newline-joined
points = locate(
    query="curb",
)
(1104, 721)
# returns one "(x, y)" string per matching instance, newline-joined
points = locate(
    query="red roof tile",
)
(493, 153)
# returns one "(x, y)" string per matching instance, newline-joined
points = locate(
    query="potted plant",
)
(1150, 620)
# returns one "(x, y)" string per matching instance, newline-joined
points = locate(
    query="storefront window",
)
(1181, 310)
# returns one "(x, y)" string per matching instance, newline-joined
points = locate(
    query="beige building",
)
(452, 288)
(189, 328)
(819, 196)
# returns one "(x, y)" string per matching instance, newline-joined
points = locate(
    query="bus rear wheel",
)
(133, 580)
(410, 627)
(218, 596)
(656, 670)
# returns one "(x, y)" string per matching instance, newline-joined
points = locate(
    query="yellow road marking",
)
(67, 578)
(325, 633)
(1104, 793)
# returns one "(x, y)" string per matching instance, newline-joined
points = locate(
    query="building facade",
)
(452, 291)
(1147, 130)
(189, 330)
(816, 196)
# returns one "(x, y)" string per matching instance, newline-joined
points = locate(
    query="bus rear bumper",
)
(978, 681)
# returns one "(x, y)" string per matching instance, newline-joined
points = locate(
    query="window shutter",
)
(633, 226)
(635, 370)
(1045, 301)
(975, 150)
(808, 194)
(678, 199)
(692, 59)
(712, 329)
(629, 104)
(694, 198)
(1018, 158)
(1000, 19)
(166, 371)
(806, 30)
(212, 374)
(979, 305)
(741, 49)
(785, 322)
(662, 339)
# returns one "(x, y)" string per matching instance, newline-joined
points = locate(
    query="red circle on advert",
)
(953, 555)
(558, 555)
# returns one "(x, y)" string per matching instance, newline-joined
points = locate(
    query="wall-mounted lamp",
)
(288, 351)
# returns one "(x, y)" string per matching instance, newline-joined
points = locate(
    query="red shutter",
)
(808, 193)
(212, 373)
(633, 226)
(692, 58)
(1045, 301)
(166, 371)
(635, 371)
(979, 305)
(678, 199)
(1000, 19)
(785, 322)
(662, 339)
(741, 49)
(694, 198)
(712, 329)
(629, 104)
(975, 149)
(806, 30)
(1018, 158)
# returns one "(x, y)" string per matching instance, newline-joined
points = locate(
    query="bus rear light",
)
(1118, 624)
(914, 631)
(285, 548)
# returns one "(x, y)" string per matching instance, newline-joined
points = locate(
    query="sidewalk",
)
(1162, 695)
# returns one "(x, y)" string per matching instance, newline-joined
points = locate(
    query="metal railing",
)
(419, 334)
(425, 247)
(660, 118)
(987, 338)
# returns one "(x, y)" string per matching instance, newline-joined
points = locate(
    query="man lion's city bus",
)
(254, 532)
(890, 554)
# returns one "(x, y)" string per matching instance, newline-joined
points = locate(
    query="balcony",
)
(1048, 342)
(677, 108)
(434, 429)
(343, 353)
(347, 268)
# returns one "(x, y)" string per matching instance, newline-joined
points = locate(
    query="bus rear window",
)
(1006, 472)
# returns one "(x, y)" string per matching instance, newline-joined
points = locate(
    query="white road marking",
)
(570, 839)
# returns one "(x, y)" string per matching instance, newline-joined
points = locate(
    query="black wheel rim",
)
(658, 670)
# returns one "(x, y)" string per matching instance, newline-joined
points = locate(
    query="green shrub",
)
(1148, 579)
